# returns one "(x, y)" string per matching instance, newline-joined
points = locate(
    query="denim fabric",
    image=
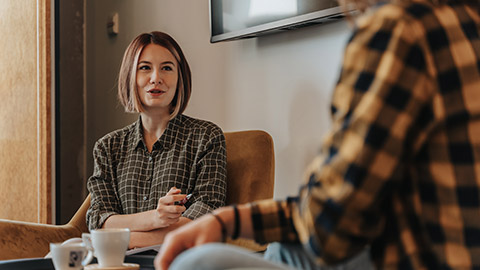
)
(278, 256)
(295, 256)
(220, 257)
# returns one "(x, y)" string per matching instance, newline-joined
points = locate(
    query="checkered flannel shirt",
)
(400, 169)
(127, 179)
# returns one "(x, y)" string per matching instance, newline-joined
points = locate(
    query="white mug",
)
(108, 245)
(70, 256)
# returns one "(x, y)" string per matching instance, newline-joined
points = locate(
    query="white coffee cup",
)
(70, 256)
(108, 245)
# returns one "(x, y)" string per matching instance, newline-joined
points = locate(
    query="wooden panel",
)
(25, 111)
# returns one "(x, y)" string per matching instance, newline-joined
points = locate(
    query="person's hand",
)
(201, 231)
(167, 213)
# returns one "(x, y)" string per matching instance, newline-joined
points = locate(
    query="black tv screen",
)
(236, 19)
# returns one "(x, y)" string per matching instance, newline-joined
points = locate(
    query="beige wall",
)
(280, 83)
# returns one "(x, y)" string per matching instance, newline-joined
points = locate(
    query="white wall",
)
(280, 83)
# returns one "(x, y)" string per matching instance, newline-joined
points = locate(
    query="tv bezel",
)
(294, 22)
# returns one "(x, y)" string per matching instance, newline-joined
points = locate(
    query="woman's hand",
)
(167, 213)
(203, 230)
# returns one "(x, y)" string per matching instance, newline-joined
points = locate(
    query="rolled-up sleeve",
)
(272, 221)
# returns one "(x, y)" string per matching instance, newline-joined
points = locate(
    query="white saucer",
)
(125, 266)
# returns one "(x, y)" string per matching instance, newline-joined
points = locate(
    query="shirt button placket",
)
(150, 159)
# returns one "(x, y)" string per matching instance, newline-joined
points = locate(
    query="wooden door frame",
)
(44, 107)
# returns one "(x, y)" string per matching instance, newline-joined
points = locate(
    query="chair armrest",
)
(27, 240)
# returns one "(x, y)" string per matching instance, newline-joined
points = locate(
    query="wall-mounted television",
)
(237, 19)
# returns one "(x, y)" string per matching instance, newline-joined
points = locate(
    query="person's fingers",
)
(157, 263)
(170, 249)
(170, 209)
(168, 215)
(173, 220)
(173, 191)
(203, 230)
(170, 199)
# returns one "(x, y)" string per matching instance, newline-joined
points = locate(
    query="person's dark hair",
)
(127, 86)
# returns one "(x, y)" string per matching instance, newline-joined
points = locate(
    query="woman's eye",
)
(168, 68)
(143, 67)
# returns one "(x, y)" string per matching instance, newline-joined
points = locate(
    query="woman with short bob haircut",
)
(165, 169)
(127, 89)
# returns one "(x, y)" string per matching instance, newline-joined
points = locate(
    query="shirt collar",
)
(168, 137)
(138, 134)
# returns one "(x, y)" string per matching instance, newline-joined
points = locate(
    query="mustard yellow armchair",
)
(250, 176)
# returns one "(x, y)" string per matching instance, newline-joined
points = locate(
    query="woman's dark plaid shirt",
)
(127, 179)
(401, 167)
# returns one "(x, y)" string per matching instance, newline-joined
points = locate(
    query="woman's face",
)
(157, 77)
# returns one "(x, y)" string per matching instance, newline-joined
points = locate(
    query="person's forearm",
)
(135, 222)
(153, 237)
(227, 215)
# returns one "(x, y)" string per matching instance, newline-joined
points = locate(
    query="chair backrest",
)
(250, 171)
(250, 166)
(79, 220)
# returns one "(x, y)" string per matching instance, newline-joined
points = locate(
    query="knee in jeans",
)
(200, 257)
